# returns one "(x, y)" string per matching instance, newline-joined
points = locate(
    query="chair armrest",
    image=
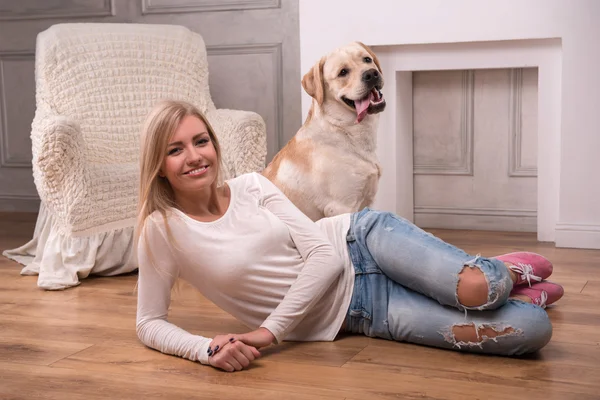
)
(243, 137)
(59, 166)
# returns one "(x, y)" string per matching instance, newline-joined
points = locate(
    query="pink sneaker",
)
(542, 294)
(528, 266)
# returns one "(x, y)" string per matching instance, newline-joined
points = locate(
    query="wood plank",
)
(559, 366)
(36, 351)
(592, 289)
(576, 334)
(316, 380)
(334, 354)
(54, 383)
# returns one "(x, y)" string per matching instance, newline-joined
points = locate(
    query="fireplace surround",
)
(559, 38)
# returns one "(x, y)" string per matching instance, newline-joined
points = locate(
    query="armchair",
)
(95, 83)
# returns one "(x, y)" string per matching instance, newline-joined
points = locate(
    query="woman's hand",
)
(261, 337)
(234, 352)
(232, 356)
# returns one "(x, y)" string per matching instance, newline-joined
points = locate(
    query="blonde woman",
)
(249, 250)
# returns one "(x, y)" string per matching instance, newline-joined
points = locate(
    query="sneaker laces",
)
(526, 272)
(541, 301)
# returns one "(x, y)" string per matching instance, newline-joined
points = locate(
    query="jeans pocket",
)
(359, 317)
(359, 313)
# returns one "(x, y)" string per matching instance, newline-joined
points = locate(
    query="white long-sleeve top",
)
(263, 262)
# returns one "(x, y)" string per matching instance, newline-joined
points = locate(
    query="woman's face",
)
(191, 162)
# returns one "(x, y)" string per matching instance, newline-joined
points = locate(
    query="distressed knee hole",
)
(472, 288)
(473, 334)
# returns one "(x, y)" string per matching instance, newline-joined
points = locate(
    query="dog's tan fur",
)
(330, 166)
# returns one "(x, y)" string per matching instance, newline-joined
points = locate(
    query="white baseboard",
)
(578, 236)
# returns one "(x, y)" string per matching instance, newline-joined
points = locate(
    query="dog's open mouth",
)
(372, 103)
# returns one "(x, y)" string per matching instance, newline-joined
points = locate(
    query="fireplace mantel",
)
(395, 134)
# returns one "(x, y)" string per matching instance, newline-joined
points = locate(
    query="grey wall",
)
(254, 64)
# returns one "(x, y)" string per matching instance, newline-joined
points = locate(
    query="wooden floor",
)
(81, 344)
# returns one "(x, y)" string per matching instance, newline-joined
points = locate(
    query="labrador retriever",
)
(330, 166)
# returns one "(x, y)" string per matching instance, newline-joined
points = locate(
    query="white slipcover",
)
(95, 83)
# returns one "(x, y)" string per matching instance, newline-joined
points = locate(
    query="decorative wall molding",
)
(24, 196)
(66, 9)
(492, 212)
(6, 160)
(274, 49)
(512, 220)
(476, 219)
(515, 168)
(190, 6)
(19, 202)
(465, 167)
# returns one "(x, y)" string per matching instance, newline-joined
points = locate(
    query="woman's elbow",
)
(140, 329)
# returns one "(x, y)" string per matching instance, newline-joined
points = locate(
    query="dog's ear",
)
(373, 56)
(313, 82)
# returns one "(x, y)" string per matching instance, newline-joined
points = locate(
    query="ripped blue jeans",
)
(406, 290)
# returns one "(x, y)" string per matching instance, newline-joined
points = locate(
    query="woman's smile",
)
(197, 171)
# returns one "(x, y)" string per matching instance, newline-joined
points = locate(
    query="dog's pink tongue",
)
(362, 106)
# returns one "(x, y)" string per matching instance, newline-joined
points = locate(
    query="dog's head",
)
(347, 81)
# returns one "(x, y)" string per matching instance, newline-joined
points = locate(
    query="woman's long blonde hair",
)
(155, 193)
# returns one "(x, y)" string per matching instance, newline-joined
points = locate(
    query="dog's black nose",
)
(371, 75)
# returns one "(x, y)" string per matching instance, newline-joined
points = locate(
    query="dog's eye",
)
(368, 60)
(343, 72)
